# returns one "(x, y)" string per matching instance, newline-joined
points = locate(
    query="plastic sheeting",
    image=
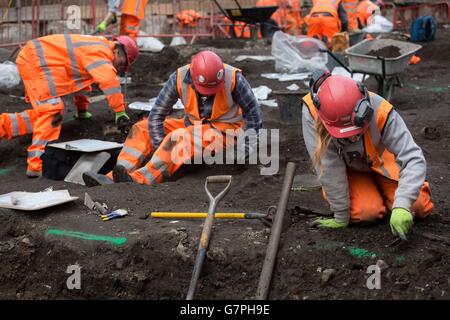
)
(9, 75)
(295, 54)
(379, 24)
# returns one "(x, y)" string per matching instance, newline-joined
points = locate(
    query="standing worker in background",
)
(365, 156)
(350, 7)
(57, 65)
(216, 98)
(326, 18)
(133, 11)
(365, 11)
(111, 16)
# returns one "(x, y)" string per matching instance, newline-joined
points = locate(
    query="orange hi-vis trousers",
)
(321, 25)
(43, 121)
(16, 124)
(129, 26)
(372, 195)
(178, 147)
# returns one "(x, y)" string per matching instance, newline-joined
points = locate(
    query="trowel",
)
(93, 205)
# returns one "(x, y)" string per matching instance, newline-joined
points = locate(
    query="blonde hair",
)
(323, 140)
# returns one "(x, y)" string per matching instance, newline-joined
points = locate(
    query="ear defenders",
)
(362, 112)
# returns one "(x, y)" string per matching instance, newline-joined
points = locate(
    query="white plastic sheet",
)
(86, 145)
(295, 54)
(261, 92)
(272, 103)
(380, 24)
(256, 58)
(178, 41)
(293, 87)
(9, 75)
(286, 76)
(356, 76)
(148, 106)
(149, 43)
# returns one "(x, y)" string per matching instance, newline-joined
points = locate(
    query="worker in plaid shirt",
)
(218, 104)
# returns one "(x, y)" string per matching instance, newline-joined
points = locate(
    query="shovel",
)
(207, 228)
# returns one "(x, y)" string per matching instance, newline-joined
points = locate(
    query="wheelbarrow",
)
(385, 70)
(251, 16)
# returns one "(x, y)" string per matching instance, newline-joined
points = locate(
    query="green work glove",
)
(102, 26)
(83, 115)
(329, 224)
(122, 120)
(401, 222)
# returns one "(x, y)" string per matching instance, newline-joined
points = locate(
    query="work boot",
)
(92, 179)
(33, 174)
(120, 174)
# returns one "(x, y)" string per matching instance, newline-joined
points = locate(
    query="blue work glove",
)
(329, 223)
(401, 222)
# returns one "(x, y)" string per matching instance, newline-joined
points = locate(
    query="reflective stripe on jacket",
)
(67, 63)
(225, 111)
(326, 6)
(379, 159)
(350, 7)
(134, 8)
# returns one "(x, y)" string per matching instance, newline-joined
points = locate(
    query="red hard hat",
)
(131, 48)
(207, 72)
(338, 96)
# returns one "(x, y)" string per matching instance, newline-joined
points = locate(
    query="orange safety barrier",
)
(403, 16)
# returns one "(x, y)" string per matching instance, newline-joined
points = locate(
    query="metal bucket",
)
(290, 105)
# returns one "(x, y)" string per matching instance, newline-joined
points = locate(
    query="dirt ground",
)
(157, 259)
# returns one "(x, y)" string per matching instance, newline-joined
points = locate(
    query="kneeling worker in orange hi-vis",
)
(62, 64)
(365, 11)
(326, 18)
(350, 7)
(364, 154)
(218, 102)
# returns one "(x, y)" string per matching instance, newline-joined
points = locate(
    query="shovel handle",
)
(218, 179)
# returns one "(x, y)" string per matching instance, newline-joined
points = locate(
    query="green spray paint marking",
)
(87, 236)
(6, 170)
(401, 259)
(361, 253)
(427, 88)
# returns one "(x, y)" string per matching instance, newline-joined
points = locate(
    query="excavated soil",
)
(157, 258)
(386, 52)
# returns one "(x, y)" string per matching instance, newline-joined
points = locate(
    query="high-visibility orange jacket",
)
(226, 114)
(326, 6)
(134, 8)
(379, 158)
(67, 63)
(350, 7)
(288, 14)
(365, 10)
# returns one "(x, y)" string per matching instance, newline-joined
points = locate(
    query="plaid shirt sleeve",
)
(167, 97)
(243, 95)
